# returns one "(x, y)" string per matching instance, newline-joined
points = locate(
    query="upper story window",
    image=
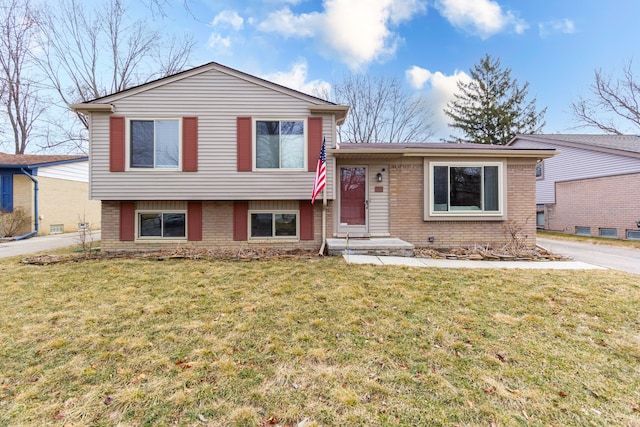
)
(280, 144)
(154, 143)
(466, 189)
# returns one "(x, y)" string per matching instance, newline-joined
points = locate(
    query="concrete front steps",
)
(384, 246)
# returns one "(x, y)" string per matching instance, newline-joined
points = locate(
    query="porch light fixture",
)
(638, 223)
(379, 175)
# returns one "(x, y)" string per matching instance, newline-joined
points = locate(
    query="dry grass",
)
(314, 342)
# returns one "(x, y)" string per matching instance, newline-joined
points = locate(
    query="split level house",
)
(216, 158)
(590, 187)
(52, 190)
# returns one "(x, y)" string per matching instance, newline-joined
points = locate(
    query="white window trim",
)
(295, 238)
(127, 145)
(254, 150)
(502, 182)
(160, 238)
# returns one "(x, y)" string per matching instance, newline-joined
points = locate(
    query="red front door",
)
(353, 193)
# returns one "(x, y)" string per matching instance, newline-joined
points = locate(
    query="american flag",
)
(321, 173)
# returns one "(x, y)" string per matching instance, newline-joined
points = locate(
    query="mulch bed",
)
(480, 253)
(254, 254)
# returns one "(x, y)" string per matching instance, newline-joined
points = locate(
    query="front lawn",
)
(306, 342)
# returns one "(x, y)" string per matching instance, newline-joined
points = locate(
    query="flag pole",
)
(324, 221)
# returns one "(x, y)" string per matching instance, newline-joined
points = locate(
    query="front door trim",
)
(353, 230)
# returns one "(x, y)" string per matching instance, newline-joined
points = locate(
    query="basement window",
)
(162, 225)
(633, 234)
(274, 225)
(609, 232)
(56, 229)
(583, 231)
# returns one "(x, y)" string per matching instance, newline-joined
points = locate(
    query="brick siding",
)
(407, 219)
(607, 202)
(217, 231)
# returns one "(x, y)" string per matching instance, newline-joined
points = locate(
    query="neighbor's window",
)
(154, 143)
(273, 224)
(468, 189)
(56, 229)
(609, 232)
(633, 234)
(583, 231)
(280, 144)
(540, 170)
(162, 225)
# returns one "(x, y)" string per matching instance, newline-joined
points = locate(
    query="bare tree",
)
(613, 103)
(19, 91)
(90, 54)
(382, 111)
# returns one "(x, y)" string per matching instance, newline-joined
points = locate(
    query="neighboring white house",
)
(591, 186)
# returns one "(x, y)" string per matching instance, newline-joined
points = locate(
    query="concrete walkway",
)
(448, 263)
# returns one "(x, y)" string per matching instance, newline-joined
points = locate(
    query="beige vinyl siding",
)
(217, 99)
(151, 205)
(378, 202)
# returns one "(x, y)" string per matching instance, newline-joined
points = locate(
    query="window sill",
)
(266, 240)
(466, 216)
(139, 240)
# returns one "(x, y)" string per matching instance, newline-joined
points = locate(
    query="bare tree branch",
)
(90, 53)
(19, 90)
(613, 104)
(382, 111)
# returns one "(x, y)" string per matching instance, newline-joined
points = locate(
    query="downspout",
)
(35, 206)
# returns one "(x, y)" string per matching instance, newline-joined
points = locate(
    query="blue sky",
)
(555, 45)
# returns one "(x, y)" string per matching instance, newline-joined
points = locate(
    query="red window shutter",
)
(127, 221)
(190, 144)
(315, 142)
(194, 219)
(116, 143)
(306, 220)
(240, 220)
(244, 143)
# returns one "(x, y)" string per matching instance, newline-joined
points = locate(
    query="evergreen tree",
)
(492, 108)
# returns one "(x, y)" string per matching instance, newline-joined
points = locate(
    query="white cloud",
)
(483, 18)
(565, 26)
(228, 18)
(356, 31)
(284, 21)
(296, 78)
(440, 92)
(218, 42)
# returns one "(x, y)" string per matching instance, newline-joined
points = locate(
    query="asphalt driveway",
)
(614, 257)
(42, 243)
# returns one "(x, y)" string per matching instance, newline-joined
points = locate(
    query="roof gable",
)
(626, 145)
(203, 69)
